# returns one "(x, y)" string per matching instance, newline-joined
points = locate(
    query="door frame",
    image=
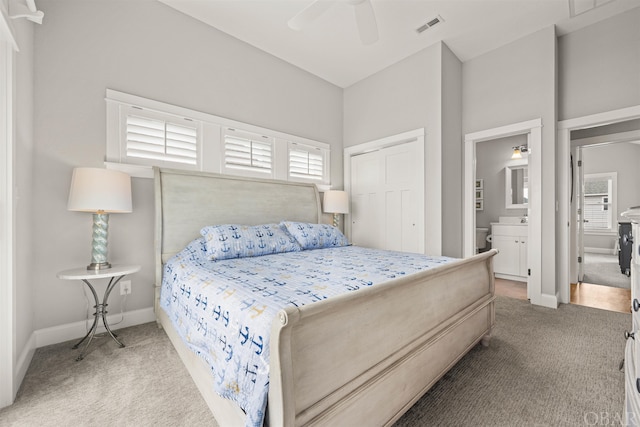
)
(533, 130)
(431, 245)
(579, 191)
(567, 259)
(8, 386)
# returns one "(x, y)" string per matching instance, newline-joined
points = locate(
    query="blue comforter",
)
(223, 310)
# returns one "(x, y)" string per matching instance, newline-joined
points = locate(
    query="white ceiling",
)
(330, 46)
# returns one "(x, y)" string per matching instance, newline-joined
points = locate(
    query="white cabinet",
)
(511, 242)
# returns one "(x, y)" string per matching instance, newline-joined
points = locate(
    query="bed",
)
(361, 357)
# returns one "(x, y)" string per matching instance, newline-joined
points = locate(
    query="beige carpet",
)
(142, 384)
(544, 367)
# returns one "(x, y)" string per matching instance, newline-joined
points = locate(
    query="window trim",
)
(212, 143)
(126, 111)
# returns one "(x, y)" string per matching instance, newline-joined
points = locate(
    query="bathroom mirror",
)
(517, 186)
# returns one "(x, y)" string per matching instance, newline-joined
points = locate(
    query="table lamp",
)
(101, 192)
(336, 202)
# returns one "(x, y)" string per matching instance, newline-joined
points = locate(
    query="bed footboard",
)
(375, 352)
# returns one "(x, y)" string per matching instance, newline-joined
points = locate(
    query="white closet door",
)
(387, 189)
(365, 200)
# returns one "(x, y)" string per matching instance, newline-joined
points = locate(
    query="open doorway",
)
(567, 262)
(607, 177)
(502, 208)
(532, 130)
(604, 185)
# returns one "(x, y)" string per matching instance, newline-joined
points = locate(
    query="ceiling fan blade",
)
(309, 14)
(366, 21)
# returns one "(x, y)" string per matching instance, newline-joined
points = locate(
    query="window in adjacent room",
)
(599, 202)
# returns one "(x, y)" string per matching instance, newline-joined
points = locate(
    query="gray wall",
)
(626, 126)
(515, 83)
(599, 66)
(622, 158)
(402, 97)
(148, 49)
(452, 154)
(421, 91)
(491, 158)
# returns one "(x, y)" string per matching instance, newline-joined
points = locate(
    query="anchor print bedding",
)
(223, 309)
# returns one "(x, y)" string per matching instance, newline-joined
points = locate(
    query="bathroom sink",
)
(512, 219)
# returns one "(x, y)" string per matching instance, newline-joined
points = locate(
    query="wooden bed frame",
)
(334, 362)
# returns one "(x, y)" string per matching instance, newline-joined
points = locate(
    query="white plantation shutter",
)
(155, 139)
(306, 163)
(247, 151)
(142, 133)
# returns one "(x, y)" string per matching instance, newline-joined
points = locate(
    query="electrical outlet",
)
(125, 287)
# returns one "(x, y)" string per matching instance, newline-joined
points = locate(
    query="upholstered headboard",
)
(187, 201)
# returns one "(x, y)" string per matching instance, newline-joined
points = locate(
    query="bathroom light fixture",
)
(100, 191)
(518, 151)
(336, 202)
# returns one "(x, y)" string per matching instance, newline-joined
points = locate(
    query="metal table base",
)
(101, 311)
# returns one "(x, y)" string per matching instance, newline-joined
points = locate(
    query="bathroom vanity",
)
(509, 237)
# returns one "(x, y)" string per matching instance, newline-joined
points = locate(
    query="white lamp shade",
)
(335, 201)
(100, 190)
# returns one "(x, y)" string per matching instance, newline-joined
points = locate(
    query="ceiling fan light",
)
(309, 14)
(364, 15)
(366, 22)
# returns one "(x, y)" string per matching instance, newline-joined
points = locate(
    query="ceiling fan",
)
(365, 17)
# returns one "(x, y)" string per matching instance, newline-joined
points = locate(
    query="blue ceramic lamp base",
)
(336, 220)
(100, 236)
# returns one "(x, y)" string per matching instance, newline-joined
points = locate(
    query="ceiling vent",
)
(432, 22)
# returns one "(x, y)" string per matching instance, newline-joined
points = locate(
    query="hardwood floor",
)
(596, 296)
(604, 297)
(512, 289)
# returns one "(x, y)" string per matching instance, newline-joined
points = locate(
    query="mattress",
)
(224, 309)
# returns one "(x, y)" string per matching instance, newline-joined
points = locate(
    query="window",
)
(150, 140)
(248, 151)
(306, 162)
(599, 202)
(142, 133)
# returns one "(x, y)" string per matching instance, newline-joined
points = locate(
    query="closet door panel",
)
(366, 201)
(387, 196)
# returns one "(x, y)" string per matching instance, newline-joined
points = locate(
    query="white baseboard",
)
(606, 251)
(70, 331)
(510, 277)
(24, 361)
(547, 300)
